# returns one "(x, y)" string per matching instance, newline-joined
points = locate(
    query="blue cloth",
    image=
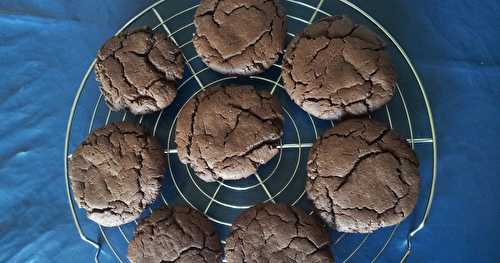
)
(46, 46)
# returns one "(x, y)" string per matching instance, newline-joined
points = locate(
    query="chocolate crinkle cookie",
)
(277, 233)
(239, 37)
(362, 176)
(116, 172)
(177, 234)
(226, 132)
(336, 67)
(138, 69)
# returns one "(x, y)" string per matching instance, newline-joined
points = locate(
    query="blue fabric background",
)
(45, 47)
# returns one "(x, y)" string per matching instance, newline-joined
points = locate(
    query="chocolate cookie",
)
(115, 173)
(336, 67)
(277, 233)
(177, 234)
(239, 37)
(137, 71)
(227, 131)
(362, 176)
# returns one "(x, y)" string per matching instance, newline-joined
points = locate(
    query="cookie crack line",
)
(122, 70)
(187, 250)
(123, 75)
(230, 132)
(299, 223)
(266, 142)
(179, 223)
(105, 183)
(139, 184)
(180, 239)
(107, 147)
(250, 60)
(138, 154)
(101, 86)
(291, 246)
(103, 211)
(210, 12)
(247, 7)
(363, 215)
(150, 65)
(213, 175)
(215, 149)
(251, 113)
(377, 139)
(360, 159)
(147, 59)
(271, 142)
(211, 46)
(259, 38)
(329, 98)
(119, 87)
(251, 44)
(191, 130)
(364, 208)
(335, 107)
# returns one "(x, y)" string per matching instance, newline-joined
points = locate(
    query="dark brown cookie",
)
(137, 71)
(116, 172)
(239, 37)
(277, 233)
(362, 176)
(227, 131)
(177, 234)
(336, 68)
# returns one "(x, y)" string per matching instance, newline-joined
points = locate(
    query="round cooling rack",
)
(283, 178)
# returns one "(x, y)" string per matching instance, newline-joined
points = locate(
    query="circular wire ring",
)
(316, 10)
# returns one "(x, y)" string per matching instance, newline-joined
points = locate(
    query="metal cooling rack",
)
(282, 180)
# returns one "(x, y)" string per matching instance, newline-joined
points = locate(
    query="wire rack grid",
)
(282, 179)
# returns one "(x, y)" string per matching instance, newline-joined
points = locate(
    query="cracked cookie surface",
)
(362, 176)
(177, 234)
(336, 67)
(137, 70)
(226, 132)
(116, 172)
(239, 37)
(277, 233)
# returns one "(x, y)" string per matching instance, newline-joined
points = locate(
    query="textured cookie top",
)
(115, 173)
(362, 176)
(277, 233)
(137, 71)
(227, 131)
(239, 37)
(336, 67)
(177, 234)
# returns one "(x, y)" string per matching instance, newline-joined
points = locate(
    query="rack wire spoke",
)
(379, 253)
(163, 24)
(111, 247)
(123, 234)
(212, 199)
(339, 238)
(265, 188)
(358, 247)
